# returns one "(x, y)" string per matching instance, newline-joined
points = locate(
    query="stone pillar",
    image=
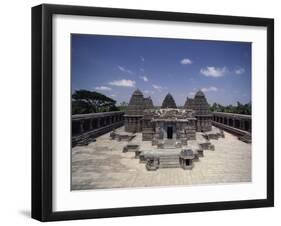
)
(81, 126)
(242, 124)
(91, 124)
(249, 126)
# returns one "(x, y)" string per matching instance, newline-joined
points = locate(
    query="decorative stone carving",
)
(152, 164)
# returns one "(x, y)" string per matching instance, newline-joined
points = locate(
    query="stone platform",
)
(103, 165)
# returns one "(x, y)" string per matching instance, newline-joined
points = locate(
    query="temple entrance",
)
(170, 132)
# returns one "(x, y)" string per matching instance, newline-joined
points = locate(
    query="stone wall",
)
(86, 127)
(238, 121)
(237, 124)
(204, 123)
(133, 123)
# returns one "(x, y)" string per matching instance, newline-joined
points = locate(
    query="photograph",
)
(145, 112)
(152, 112)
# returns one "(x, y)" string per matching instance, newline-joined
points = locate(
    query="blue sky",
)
(117, 65)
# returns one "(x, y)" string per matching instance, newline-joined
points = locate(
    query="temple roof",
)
(188, 103)
(148, 102)
(169, 102)
(137, 92)
(200, 104)
(199, 94)
(136, 104)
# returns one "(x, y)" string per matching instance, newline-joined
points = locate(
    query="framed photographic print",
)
(145, 112)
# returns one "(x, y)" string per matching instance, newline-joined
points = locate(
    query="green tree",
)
(123, 106)
(85, 101)
(238, 109)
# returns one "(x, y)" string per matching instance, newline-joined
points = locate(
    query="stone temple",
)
(200, 107)
(171, 130)
(134, 113)
(142, 116)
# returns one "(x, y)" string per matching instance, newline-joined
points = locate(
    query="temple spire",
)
(169, 102)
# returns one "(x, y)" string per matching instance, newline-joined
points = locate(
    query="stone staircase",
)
(169, 161)
(169, 143)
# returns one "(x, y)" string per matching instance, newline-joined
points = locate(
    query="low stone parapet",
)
(86, 127)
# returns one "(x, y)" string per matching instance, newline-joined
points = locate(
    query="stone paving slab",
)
(102, 164)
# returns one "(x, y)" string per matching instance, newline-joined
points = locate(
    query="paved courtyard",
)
(102, 164)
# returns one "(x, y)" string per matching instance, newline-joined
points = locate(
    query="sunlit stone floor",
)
(102, 164)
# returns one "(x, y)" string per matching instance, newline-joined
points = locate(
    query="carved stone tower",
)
(169, 102)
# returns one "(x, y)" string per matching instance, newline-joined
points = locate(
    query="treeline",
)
(245, 109)
(84, 102)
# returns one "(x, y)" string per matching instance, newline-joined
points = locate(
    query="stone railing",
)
(86, 127)
(237, 124)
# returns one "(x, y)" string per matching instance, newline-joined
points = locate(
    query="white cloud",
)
(123, 69)
(191, 93)
(186, 61)
(113, 95)
(239, 70)
(209, 89)
(214, 71)
(104, 88)
(157, 87)
(142, 58)
(144, 78)
(149, 92)
(123, 82)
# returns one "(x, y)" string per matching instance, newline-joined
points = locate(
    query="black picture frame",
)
(42, 111)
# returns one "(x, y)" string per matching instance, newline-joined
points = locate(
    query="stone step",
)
(169, 146)
(169, 162)
(171, 142)
(169, 165)
(169, 158)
